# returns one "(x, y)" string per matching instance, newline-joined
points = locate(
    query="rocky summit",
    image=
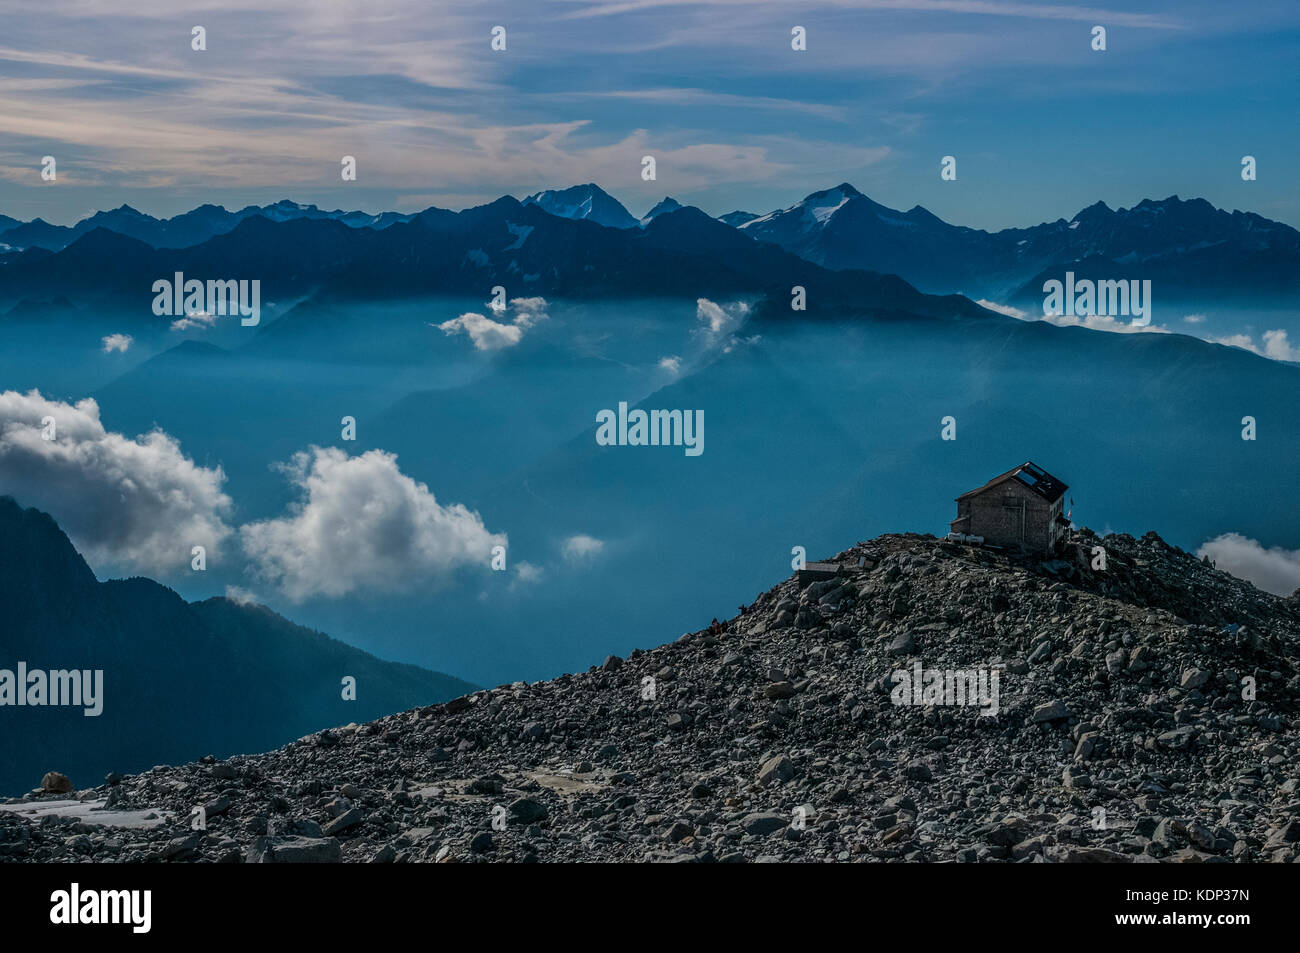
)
(1140, 712)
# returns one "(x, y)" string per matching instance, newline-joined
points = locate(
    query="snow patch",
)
(521, 233)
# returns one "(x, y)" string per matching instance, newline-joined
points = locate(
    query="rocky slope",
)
(1122, 734)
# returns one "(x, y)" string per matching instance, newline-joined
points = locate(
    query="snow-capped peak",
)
(586, 202)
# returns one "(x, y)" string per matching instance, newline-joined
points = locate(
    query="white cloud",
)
(194, 319)
(138, 502)
(581, 547)
(240, 596)
(1274, 570)
(116, 342)
(528, 311)
(1243, 341)
(1278, 347)
(1100, 322)
(1194, 318)
(714, 315)
(527, 573)
(672, 364)
(720, 322)
(1001, 308)
(363, 524)
(489, 335)
(998, 8)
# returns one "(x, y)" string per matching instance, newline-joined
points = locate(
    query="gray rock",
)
(55, 783)
(344, 822)
(1052, 711)
(903, 644)
(680, 831)
(777, 768)
(763, 823)
(526, 811)
(295, 850)
(182, 848)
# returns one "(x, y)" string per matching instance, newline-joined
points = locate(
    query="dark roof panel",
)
(1030, 475)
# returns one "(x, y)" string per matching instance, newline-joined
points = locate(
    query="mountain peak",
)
(842, 192)
(1096, 209)
(32, 540)
(737, 218)
(667, 204)
(584, 202)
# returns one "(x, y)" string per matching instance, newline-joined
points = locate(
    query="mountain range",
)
(1186, 248)
(180, 680)
(581, 241)
(181, 231)
(517, 245)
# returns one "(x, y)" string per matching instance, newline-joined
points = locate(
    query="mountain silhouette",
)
(180, 680)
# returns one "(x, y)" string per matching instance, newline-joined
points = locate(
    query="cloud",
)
(1274, 570)
(526, 574)
(581, 547)
(194, 319)
(137, 502)
(241, 596)
(116, 342)
(1194, 318)
(719, 324)
(996, 8)
(528, 311)
(720, 321)
(1243, 341)
(489, 335)
(1100, 322)
(688, 96)
(672, 364)
(1278, 347)
(1001, 308)
(362, 524)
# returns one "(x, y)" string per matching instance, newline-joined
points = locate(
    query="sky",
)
(1040, 124)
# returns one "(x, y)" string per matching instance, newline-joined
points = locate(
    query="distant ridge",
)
(1190, 247)
(180, 679)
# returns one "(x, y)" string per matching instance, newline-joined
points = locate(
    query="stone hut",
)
(1019, 508)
